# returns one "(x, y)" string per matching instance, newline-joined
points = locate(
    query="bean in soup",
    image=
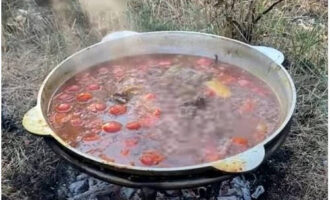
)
(163, 110)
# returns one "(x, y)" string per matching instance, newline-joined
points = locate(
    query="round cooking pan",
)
(171, 42)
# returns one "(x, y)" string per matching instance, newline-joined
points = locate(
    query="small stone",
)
(82, 176)
(78, 187)
(127, 193)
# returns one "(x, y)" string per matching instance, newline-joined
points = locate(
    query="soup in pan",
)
(163, 110)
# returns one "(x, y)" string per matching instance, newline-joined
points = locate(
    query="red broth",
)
(163, 110)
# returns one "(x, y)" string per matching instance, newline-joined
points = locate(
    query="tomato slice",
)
(72, 89)
(149, 96)
(118, 72)
(247, 106)
(63, 107)
(240, 141)
(76, 122)
(148, 121)
(91, 137)
(117, 109)
(94, 86)
(96, 107)
(124, 152)
(65, 97)
(157, 112)
(133, 125)
(60, 118)
(131, 142)
(112, 127)
(83, 97)
(102, 70)
(106, 158)
(151, 157)
(204, 61)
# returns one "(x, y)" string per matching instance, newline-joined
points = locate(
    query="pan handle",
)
(243, 162)
(35, 123)
(272, 53)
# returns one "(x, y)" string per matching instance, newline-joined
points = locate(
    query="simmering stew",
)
(163, 110)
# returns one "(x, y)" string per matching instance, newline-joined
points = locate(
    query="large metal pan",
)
(173, 42)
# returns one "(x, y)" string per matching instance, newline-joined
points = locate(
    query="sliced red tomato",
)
(240, 141)
(118, 72)
(204, 61)
(117, 109)
(63, 107)
(209, 92)
(148, 121)
(72, 89)
(107, 158)
(60, 118)
(133, 125)
(227, 79)
(157, 112)
(151, 157)
(124, 152)
(149, 96)
(260, 91)
(76, 122)
(247, 106)
(95, 107)
(83, 97)
(103, 70)
(164, 63)
(91, 137)
(111, 127)
(65, 97)
(94, 86)
(244, 83)
(131, 142)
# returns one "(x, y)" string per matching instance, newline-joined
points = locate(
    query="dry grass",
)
(35, 41)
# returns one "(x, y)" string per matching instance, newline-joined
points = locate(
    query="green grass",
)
(35, 45)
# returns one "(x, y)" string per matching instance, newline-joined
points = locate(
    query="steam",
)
(105, 15)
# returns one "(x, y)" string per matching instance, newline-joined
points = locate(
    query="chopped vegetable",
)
(204, 61)
(131, 142)
(247, 106)
(83, 97)
(117, 109)
(149, 96)
(91, 137)
(102, 70)
(124, 152)
(157, 112)
(261, 131)
(240, 141)
(133, 125)
(65, 97)
(76, 122)
(106, 158)
(63, 107)
(219, 88)
(72, 89)
(151, 158)
(111, 127)
(97, 107)
(93, 87)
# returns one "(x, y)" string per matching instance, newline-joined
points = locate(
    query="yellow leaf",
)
(219, 88)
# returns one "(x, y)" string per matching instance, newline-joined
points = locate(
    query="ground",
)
(37, 35)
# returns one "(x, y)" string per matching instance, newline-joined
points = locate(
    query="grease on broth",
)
(163, 110)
